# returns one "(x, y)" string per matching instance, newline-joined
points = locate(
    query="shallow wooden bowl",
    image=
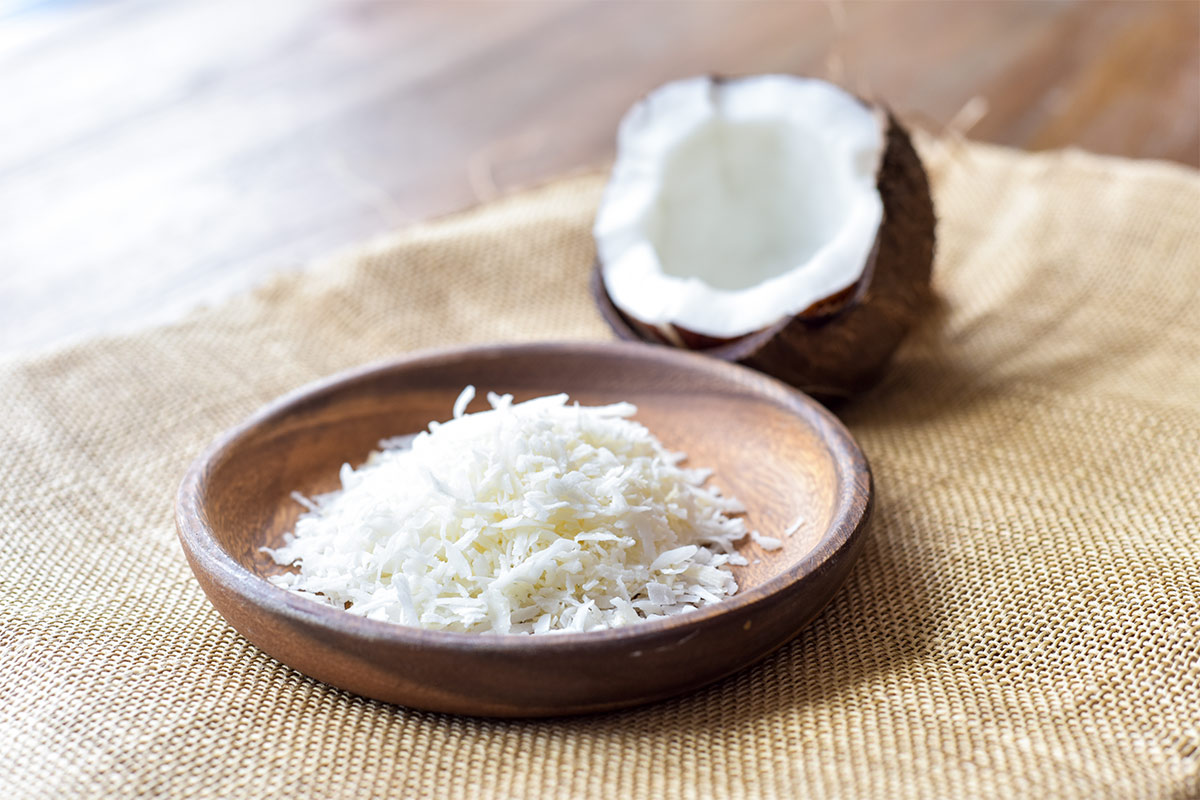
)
(778, 451)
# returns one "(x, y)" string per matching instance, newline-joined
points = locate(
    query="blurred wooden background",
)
(158, 155)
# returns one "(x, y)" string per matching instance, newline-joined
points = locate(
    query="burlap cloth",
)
(1023, 621)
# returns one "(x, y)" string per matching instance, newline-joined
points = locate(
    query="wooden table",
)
(158, 155)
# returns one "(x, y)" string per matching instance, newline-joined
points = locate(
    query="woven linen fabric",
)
(1023, 621)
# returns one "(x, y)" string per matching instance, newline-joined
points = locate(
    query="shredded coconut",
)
(795, 526)
(528, 518)
(766, 542)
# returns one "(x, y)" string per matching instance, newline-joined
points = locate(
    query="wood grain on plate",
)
(155, 155)
(782, 454)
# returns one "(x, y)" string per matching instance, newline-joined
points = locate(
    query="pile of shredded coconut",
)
(528, 518)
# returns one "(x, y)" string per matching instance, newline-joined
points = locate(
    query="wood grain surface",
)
(158, 155)
(782, 454)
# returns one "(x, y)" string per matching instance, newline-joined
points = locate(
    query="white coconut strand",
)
(534, 517)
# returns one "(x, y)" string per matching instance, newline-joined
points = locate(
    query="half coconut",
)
(775, 221)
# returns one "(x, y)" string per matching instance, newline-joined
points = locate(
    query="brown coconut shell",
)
(841, 345)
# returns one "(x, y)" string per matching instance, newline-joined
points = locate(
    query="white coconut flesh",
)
(734, 204)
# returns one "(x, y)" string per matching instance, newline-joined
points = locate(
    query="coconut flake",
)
(795, 527)
(464, 400)
(766, 542)
(532, 517)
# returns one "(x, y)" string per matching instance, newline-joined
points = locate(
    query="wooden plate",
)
(774, 448)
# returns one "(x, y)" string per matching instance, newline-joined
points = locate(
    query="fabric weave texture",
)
(1023, 621)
